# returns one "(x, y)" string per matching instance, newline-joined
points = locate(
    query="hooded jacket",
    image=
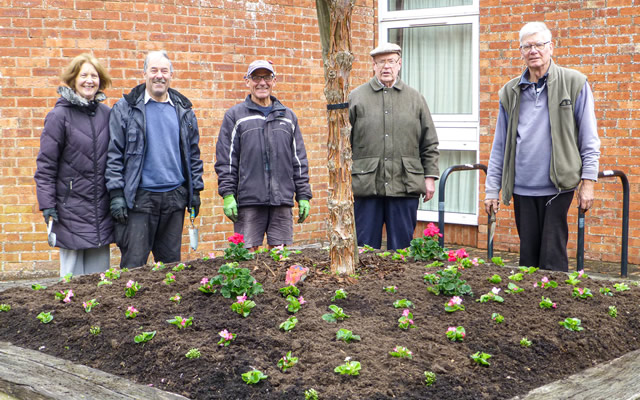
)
(128, 144)
(70, 170)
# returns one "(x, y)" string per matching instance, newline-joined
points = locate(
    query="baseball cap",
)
(258, 64)
(386, 48)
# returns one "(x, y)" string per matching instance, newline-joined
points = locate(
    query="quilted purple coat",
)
(70, 171)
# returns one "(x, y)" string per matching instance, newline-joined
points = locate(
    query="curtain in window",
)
(398, 5)
(459, 193)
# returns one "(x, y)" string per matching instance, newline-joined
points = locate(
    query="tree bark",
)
(334, 18)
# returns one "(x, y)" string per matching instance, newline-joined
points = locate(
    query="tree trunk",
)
(334, 18)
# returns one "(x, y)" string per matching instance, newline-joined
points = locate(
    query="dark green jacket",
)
(394, 141)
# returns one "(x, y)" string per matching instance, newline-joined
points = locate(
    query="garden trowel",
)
(492, 227)
(193, 231)
(51, 236)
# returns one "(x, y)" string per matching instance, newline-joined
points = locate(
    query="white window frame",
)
(455, 131)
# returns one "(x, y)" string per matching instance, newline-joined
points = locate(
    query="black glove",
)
(50, 213)
(195, 204)
(119, 209)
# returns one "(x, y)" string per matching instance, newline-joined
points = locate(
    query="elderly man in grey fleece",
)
(546, 145)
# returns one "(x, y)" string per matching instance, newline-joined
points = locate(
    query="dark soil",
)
(555, 353)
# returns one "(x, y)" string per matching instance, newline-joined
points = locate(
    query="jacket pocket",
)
(363, 176)
(413, 176)
(134, 141)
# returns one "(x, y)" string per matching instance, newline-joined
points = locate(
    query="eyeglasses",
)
(539, 46)
(390, 61)
(258, 78)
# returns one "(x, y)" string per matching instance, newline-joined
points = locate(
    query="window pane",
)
(460, 189)
(398, 5)
(436, 60)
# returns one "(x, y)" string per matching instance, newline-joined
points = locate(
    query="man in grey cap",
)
(395, 153)
(262, 164)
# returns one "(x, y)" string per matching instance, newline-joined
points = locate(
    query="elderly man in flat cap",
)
(262, 164)
(395, 153)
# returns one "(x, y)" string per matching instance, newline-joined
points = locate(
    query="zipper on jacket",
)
(95, 183)
(69, 189)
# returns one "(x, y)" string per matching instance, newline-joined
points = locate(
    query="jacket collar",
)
(136, 95)
(277, 106)
(72, 97)
(376, 85)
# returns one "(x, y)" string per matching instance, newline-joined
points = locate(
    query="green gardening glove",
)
(303, 207)
(230, 207)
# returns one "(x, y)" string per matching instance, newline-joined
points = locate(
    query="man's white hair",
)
(535, 27)
(160, 53)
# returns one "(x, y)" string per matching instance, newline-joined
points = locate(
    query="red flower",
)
(236, 238)
(432, 230)
(461, 253)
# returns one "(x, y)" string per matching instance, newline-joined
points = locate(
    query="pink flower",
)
(406, 312)
(360, 250)
(475, 262)
(432, 230)
(461, 253)
(410, 322)
(204, 281)
(495, 290)
(580, 273)
(535, 284)
(455, 300)
(452, 256)
(84, 304)
(463, 334)
(225, 334)
(451, 329)
(581, 291)
(67, 299)
(102, 276)
(554, 305)
(242, 299)
(301, 300)
(132, 309)
(183, 322)
(545, 279)
(130, 283)
(236, 238)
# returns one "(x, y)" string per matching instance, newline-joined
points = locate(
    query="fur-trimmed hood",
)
(72, 97)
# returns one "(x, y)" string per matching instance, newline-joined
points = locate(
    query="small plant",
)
(176, 298)
(427, 247)
(435, 264)
(294, 304)
(497, 261)
(431, 278)
(524, 342)
(403, 303)
(390, 289)
(287, 361)
(88, 305)
(104, 280)
(613, 311)
(516, 277)
(169, 278)
(236, 281)
(243, 306)
(37, 286)
(5, 307)
(348, 368)
(450, 284)
(289, 291)
(456, 334)
(208, 257)
(131, 312)
(384, 254)
(206, 286)
(346, 336)
(605, 291)
(131, 289)
(495, 279)
(366, 249)
(528, 270)
(492, 295)
(254, 376)
(45, 317)
(311, 394)
(572, 324)
(337, 315)
(144, 337)
(95, 330)
(180, 267)
(406, 320)
(399, 255)
(158, 266)
(573, 277)
(281, 253)
(112, 273)
(340, 294)
(64, 295)
(513, 288)
(481, 358)
(193, 353)
(67, 278)
(545, 283)
(497, 318)
(429, 378)
(289, 324)
(582, 293)
(401, 352)
(547, 303)
(621, 287)
(181, 322)
(226, 337)
(454, 304)
(236, 250)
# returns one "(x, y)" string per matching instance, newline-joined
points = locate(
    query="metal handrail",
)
(625, 224)
(443, 182)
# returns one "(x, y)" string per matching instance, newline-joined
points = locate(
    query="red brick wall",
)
(602, 40)
(210, 42)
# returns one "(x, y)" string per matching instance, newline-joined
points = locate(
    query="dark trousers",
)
(543, 230)
(154, 225)
(398, 214)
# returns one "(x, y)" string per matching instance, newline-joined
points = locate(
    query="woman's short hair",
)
(535, 27)
(70, 74)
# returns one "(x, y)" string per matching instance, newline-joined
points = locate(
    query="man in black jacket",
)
(261, 163)
(154, 169)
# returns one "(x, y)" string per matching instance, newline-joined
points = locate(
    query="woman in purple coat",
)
(70, 169)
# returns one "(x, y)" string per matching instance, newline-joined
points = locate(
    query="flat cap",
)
(386, 48)
(258, 64)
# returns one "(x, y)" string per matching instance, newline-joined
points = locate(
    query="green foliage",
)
(340, 294)
(497, 261)
(431, 278)
(481, 358)
(426, 248)
(572, 324)
(621, 287)
(45, 317)
(605, 291)
(254, 376)
(37, 286)
(513, 288)
(144, 337)
(613, 311)
(193, 353)
(348, 368)
(495, 279)
(5, 307)
(294, 304)
(429, 378)
(516, 277)
(287, 361)
(289, 324)
(403, 303)
(311, 394)
(582, 293)
(289, 291)
(181, 322)
(346, 335)
(524, 342)
(497, 318)
(236, 281)
(337, 315)
(450, 284)
(95, 330)
(528, 270)
(435, 264)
